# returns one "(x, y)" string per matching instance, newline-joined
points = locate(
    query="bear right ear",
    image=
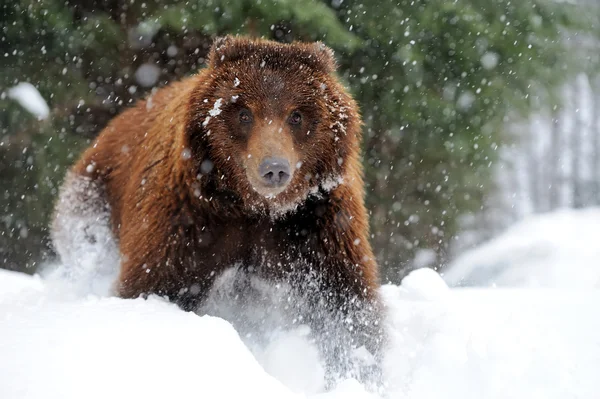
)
(324, 56)
(224, 48)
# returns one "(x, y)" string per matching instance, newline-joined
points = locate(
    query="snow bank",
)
(30, 98)
(109, 348)
(484, 343)
(445, 343)
(554, 250)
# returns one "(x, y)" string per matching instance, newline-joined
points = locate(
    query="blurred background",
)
(479, 114)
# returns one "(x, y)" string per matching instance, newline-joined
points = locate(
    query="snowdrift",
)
(445, 343)
(553, 250)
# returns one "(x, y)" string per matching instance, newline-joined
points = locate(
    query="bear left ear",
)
(325, 57)
(222, 48)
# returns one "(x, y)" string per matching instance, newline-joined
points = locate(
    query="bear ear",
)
(325, 57)
(224, 48)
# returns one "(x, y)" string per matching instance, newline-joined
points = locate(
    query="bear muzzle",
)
(270, 158)
(275, 172)
(271, 176)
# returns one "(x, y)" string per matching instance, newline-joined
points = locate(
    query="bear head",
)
(271, 123)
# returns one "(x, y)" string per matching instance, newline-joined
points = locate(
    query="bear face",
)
(271, 123)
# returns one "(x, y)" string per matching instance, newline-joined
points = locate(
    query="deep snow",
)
(63, 336)
(553, 250)
(445, 343)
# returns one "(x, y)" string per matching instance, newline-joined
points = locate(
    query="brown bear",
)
(252, 162)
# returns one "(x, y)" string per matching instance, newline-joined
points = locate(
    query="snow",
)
(483, 343)
(444, 343)
(147, 74)
(30, 98)
(490, 60)
(172, 51)
(425, 284)
(465, 100)
(553, 250)
(83, 239)
(215, 111)
(107, 348)
(424, 258)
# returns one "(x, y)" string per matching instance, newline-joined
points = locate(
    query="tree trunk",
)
(553, 166)
(595, 133)
(576, 151)
(532, 172)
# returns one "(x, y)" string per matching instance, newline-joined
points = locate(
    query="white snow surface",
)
(552, 250)
(30, 98)
(444, 343)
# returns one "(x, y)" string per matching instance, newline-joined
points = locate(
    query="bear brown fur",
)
(180, 176)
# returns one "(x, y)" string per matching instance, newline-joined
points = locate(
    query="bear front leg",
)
(348, 328)
(157, 272)
(161, 255)
(353, 316)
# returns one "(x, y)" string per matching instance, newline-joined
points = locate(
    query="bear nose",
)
(275, 172)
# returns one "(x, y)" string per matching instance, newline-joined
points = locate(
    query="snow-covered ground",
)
(553, 250)
(58, 341)
(465, 343)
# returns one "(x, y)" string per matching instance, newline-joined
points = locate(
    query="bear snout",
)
(275, 172)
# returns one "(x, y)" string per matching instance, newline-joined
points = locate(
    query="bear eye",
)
(245, 116)
(295, 118)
